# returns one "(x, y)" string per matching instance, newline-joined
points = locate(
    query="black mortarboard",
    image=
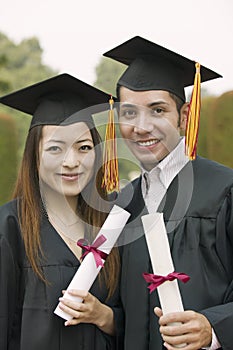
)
(54, 100)
(153, 67)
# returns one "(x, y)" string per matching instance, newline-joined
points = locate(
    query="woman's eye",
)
(86, 148)
(54, 149)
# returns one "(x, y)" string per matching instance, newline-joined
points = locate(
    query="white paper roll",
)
(87, 272)
(162, 264)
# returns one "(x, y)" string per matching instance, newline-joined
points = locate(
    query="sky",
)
(74, 34)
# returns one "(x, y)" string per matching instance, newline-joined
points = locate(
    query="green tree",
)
(107, 73)
(220, 124)
(204, 131)
(20, 65)
(8, 156)
(4, 85)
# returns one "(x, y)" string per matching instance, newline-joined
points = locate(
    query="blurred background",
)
(41, 39)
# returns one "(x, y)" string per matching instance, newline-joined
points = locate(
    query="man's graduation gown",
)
(200, 232)
(27, 319)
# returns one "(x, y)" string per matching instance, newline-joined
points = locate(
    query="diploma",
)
(88, 270)
(162, 264)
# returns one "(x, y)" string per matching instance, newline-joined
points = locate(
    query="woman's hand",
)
(91, 310)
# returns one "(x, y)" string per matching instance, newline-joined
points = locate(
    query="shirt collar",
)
(170, 166)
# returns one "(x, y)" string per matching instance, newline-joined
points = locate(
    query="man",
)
(194, 196)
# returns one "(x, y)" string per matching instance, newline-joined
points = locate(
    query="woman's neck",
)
(64, 218)
(60, 205)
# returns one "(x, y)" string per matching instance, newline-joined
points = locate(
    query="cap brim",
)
(27, 99)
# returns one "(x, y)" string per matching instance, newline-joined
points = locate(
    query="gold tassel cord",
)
(193, 119)
(111, 176)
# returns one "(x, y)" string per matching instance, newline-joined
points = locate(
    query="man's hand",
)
(193, 330)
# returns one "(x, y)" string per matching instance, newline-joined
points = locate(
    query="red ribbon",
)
(157, 280)
(98, 254)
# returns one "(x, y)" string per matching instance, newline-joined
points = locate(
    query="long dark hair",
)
(30, 206)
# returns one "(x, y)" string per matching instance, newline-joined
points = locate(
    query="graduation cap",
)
(52, 101)
(64, 99)
(153, 67)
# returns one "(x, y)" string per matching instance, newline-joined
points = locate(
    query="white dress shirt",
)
(155, 184)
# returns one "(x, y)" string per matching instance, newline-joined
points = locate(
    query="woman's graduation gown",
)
(200, 231)
(27, 319)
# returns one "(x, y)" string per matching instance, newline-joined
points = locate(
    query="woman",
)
(58, 200)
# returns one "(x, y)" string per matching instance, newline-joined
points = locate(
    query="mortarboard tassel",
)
(111, 176)
(193, 119)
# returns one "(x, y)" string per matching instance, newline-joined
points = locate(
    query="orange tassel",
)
(111, 176)
(193, 119)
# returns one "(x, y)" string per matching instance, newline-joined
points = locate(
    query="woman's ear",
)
(183, 116)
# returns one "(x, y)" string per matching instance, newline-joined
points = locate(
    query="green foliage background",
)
(107, 74)
(20, 65)
(220, 129)
(8, 151)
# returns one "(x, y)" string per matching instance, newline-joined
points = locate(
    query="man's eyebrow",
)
(156, 103)
(150, 105)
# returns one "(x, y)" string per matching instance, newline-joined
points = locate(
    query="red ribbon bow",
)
(98, 254)
(157, 280)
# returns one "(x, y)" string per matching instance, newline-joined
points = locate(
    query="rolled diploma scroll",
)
(162, 264)
(87, 271)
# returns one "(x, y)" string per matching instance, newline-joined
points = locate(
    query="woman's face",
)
(67, 158)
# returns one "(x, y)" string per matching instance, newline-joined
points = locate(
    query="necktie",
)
(155, 190)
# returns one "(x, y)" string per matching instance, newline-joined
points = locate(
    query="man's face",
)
(149, 122)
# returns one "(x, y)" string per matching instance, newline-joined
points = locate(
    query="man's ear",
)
(183, 116)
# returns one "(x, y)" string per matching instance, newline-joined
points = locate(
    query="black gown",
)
(27, 319)
(201, 242)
